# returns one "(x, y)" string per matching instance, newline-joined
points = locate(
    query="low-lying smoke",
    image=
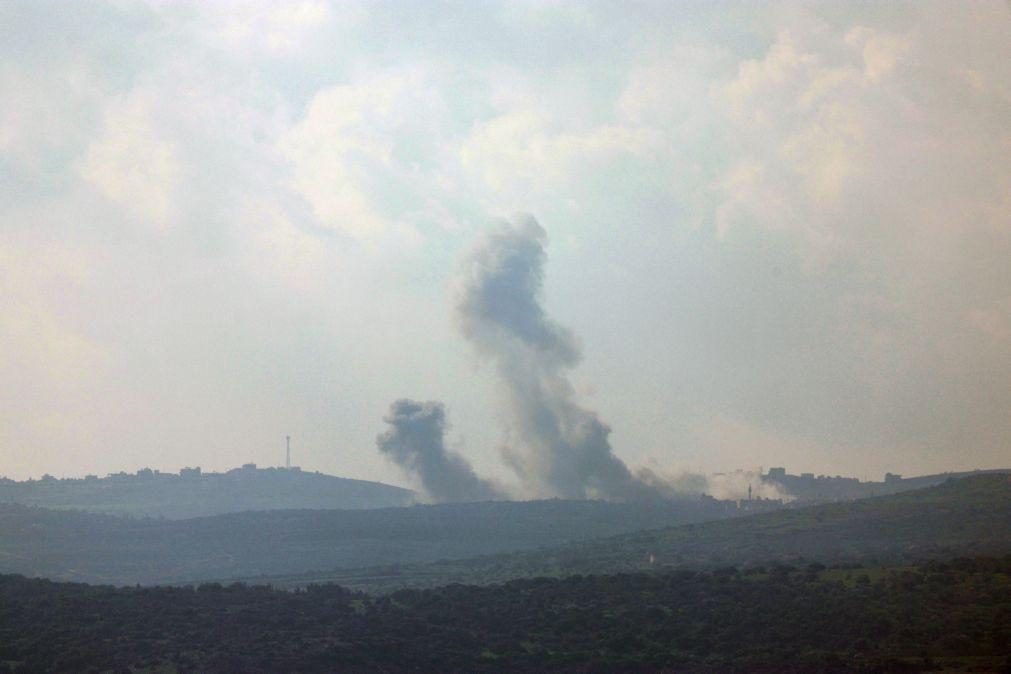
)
(735, 486)
(415, 442)
(563, 448)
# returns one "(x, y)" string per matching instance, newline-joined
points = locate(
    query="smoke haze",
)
(562, 448)
(415, 442)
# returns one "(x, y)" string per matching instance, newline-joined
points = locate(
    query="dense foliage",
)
(778, 618)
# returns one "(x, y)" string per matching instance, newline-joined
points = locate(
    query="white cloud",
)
(276, 28)
(133, 164)
(254, 28)
(44, 117)
(830, 123)
(56, 369)
(351, 156)
(522, 150)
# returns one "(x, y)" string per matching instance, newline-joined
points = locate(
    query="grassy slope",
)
(95, 548)
(967, 516)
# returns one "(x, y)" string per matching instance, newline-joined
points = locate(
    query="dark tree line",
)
(776, 618)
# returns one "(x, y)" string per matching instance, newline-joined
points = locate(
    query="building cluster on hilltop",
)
(808, 486)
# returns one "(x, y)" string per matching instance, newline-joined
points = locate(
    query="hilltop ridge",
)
(193, 493)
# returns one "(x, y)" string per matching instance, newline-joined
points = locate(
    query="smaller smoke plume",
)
(735, 486)
(415, 442)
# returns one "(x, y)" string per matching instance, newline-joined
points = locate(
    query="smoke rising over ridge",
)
(557, 447)
(415, 442)
(562, 449)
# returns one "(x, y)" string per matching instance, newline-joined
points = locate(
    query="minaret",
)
(287, 452)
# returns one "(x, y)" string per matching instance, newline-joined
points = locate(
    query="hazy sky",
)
(780, 233)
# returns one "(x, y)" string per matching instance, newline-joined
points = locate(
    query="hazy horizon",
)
(773, 235)
(405, 483)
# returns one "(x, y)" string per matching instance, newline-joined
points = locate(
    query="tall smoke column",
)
(564, 448)
(415, 442)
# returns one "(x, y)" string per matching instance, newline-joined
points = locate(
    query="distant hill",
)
(74, 545)
(967, 516)
(191, 493)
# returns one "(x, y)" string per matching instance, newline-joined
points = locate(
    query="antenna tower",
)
(287, 452)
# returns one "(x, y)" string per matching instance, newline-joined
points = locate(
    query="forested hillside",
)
(954, 616)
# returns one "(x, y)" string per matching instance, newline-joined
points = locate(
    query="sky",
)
(780, 233)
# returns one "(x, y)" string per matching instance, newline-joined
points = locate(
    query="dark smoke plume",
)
(415, 441)
(563, 448)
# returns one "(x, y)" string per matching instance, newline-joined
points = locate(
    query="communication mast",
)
(287, 452)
